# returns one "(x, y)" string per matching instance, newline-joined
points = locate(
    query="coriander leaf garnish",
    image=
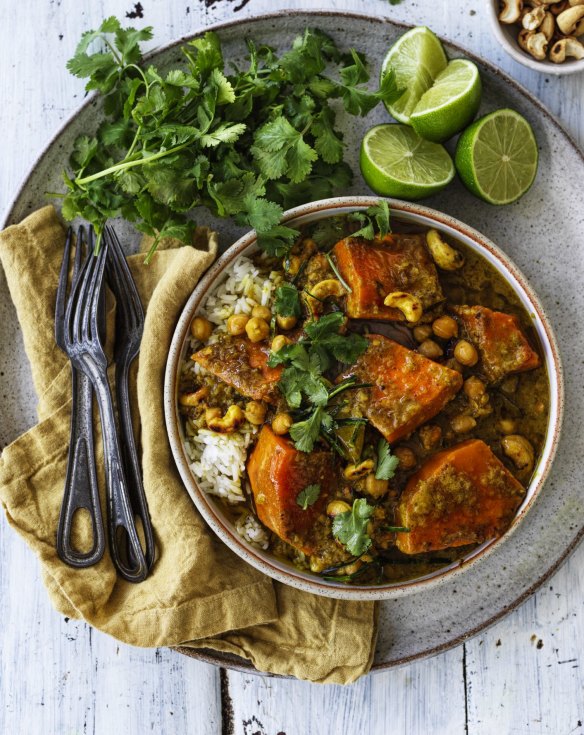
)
(386, 462)
(247, 143)
(287, 301)
(308, 496)
(305, 433)
(379, 213)
(350, 528)
(303, 383)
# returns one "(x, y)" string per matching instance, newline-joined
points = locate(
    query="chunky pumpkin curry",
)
(398, 397)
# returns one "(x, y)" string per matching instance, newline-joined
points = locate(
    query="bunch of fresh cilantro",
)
(247, 144)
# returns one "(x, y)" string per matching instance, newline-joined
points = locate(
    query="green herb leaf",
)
(350, 528)
(387, 463)
(397, 529)
(287, 301)
(305, 433)
(308, 496)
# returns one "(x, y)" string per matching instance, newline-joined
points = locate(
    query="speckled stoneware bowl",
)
(543, 233)
(507, 36)
(213, 512)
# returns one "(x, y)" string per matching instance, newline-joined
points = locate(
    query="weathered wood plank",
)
(526, 674)
(425, 697)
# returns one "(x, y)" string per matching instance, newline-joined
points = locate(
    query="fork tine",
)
(79, 248)
(121, 272)
(95, 302)
(60, 303)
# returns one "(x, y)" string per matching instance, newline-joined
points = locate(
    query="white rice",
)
(218, 460)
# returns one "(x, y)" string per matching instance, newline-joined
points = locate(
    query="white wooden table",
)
(60, 677)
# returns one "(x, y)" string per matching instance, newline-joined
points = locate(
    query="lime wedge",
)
(396, 162)
(496, 157)
(417, 58)
(450, 103)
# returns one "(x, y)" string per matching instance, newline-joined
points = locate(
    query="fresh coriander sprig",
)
(245, 144)
(308, 496)
(350, 528)
(387, 462)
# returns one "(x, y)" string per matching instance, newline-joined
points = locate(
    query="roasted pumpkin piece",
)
(502, 346)
(242, 364)
(375, 268)
(461, 495)
(407, 389)
(278, 473)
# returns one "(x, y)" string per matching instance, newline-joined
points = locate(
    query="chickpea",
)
(466, 353)
(236, 324)
(539, 407)
(374, 487)
(407, 458)
(422, 332)
(336, 507)
(201, 328)
(286, 322)
(462, 424)
(257, 329)
(445, 327)
(509, 385)
(261, 312)
(453, 365)
(474, 388)
(519, 450)
(430, 436)
(507, 426)
(281, 423)
(430, 349)
(255, 412)
(279, 341)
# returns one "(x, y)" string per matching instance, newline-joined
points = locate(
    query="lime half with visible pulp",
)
(416, 58)
(396, 162)
(496, 157)
(451, 102)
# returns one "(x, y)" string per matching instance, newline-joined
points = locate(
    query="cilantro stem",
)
(344, 284)
(129, 164)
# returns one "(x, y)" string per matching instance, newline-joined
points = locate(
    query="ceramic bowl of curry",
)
(443, 411)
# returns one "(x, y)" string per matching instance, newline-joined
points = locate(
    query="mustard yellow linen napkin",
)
(199, 593)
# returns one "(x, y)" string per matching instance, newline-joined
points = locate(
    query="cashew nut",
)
(537, 45)
(519, 451)
(548, 26)
(443, 254)
(409, 305)
(570, 19)
(511, 11)
(227, 423)
(534, 18)
(356, 471)
(561, 50)
(326, 288)
(374, 487)
(573, 3)
(193, 399)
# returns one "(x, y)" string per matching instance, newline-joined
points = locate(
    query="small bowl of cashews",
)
(544, 35)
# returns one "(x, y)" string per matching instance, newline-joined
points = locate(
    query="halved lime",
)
(450, 103)
(496, 157)
(396, 162)
(417, 58)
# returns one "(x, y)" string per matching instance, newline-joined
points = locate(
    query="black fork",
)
(81, 489)
(129, 329)
(84, 346)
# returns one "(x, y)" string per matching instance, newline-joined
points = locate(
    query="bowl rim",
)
(545, 66)
(209, 507)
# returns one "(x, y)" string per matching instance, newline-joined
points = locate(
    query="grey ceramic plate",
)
(544, 235)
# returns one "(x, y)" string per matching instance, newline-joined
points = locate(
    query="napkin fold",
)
(199, 593)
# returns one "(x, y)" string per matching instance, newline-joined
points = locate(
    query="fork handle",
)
(132, 462)
(81, 489)
(125, 546)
